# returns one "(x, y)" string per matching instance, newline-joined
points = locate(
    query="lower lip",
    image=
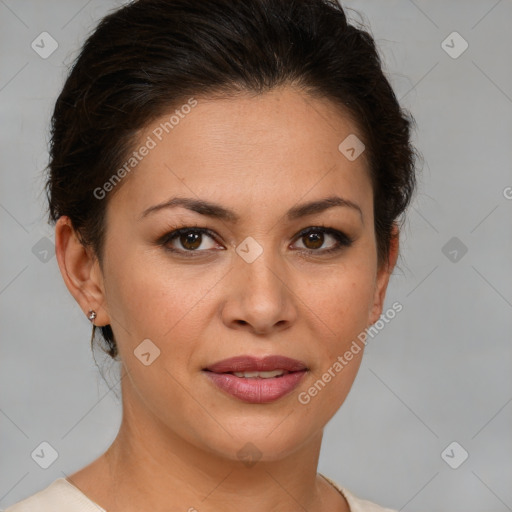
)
(256, 390)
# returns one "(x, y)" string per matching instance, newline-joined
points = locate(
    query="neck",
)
(172, 471)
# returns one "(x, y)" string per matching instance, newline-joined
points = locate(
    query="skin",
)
(177, 446)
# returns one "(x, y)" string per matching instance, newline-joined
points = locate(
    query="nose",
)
(260, 297)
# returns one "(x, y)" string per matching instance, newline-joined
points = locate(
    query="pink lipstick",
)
(257, 380)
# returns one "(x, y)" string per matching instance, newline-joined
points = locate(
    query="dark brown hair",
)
(150, 55)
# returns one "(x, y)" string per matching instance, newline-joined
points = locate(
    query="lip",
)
(255, 364)
(256, 390)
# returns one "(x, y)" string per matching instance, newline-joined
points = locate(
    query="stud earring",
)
(91, 316)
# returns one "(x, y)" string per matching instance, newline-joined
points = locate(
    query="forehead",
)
(274, 147)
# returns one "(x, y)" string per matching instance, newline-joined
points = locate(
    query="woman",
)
(226, 180)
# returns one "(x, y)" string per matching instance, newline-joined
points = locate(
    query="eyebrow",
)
(219, 212)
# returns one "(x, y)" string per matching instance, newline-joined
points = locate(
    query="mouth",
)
(256, 380)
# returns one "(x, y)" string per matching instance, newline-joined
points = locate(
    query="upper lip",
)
(254, 364)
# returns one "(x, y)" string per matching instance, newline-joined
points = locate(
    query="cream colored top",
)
(62, 496)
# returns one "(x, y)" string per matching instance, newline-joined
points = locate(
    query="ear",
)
(383, 275)
(80, 270)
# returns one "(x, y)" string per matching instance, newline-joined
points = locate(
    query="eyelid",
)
(336, 233)
(343, 241)
(174, 232)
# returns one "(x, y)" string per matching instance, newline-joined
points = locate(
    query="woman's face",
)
(247, 287)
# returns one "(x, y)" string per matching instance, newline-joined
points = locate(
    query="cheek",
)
(341, 304)
(342, 308)
(343, 300)
(150, 298)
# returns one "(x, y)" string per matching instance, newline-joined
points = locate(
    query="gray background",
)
(438, 373)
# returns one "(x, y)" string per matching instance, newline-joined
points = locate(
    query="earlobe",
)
(383, 275)
(80, 270)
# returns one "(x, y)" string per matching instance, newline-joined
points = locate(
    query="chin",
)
(266, 442)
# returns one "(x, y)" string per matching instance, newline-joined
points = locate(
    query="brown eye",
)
(313, 240)
(190, 240)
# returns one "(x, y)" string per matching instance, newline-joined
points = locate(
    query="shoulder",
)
(358, 504)
(59, 496)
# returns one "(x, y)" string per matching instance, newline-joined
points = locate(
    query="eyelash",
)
(341, 238)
